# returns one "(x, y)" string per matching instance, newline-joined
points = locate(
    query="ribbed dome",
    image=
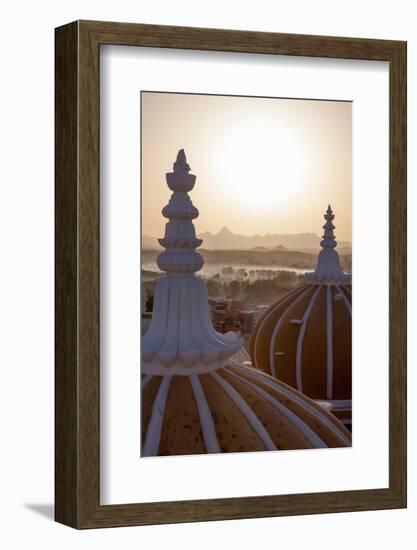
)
(305, 338)
(195, 398)
(232, 409)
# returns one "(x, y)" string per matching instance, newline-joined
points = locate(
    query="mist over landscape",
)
(258, 267)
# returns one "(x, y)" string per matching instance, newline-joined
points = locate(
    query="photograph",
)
(209, 254)
(230, 273)
(246, 261)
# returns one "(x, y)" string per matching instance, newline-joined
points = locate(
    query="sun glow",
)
(261, 166)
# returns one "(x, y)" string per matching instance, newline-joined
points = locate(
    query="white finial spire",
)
(180, 241)
(328, 264)
(181, 338)
(328, 237)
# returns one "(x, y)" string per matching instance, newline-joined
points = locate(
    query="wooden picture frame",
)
(77, 403)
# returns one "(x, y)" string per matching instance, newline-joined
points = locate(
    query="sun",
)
(263, 166)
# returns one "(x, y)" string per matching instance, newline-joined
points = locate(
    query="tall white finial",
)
(328, 264)
(181, 338)
(180, 241)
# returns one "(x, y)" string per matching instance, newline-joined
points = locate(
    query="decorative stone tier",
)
(180, 239)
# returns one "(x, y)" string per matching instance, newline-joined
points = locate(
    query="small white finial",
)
(328, 237)
(328, 264)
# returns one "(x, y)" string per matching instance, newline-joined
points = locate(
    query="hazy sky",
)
(263, 165)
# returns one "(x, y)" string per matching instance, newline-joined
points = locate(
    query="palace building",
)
(196, 395)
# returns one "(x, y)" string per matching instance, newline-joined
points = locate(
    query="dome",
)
(232, 409)
(196, 396)
(305, 338)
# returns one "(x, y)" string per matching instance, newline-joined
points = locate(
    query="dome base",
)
(180, 336)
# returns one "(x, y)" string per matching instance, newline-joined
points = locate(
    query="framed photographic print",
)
(230, 274)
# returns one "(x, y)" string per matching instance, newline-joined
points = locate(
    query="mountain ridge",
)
(227, 240)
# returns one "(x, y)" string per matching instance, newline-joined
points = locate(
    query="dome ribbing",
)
(305, 338)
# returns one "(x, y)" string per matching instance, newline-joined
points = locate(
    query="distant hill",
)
(226, 240)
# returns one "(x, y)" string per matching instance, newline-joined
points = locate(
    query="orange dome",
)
(232, 409)
(305, 338)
